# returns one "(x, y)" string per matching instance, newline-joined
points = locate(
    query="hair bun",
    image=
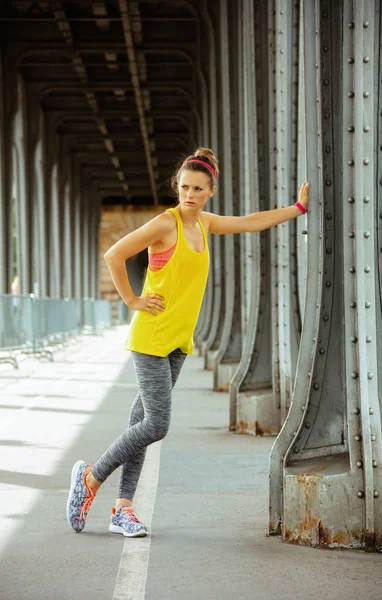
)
(207, 153)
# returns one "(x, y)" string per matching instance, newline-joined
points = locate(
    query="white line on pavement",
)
(132, 573)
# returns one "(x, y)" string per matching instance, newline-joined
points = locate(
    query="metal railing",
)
(31, 325)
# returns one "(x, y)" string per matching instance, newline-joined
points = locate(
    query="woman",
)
(162, 328)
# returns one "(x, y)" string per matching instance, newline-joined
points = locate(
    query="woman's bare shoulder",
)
(206, 220)
(166, 221)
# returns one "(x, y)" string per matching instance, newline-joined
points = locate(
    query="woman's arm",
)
(129, 246)
(256, 221)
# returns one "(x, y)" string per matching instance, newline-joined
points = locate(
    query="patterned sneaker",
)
(125, 521)
(80, 496)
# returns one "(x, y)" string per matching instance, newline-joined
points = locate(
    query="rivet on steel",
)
(372, 437)
(370, 375)
(368, 339)
(371, 411)
(354, 375)
(360, 494)
(359, 464)
(376, 494)
(374, 463)
(356, 410)
(353, 304)
(367, 304)
(366, 234)
(366, 199)
(367, 269)
(357, 438)
(354, 339)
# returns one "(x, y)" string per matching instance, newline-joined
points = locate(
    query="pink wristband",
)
(300, 206)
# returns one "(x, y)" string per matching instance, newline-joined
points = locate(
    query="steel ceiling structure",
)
(121, 80)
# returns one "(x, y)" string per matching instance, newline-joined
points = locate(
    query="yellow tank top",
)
(181, 282)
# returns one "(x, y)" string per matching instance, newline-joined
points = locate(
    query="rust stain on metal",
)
(254, 427)
(224, 387)
(311, 531)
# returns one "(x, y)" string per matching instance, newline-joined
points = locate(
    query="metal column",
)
(325, 482)
(227, 354)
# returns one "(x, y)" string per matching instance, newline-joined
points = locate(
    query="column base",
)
(321, 506)
(209, 359)
(257, 414)
(223, 374)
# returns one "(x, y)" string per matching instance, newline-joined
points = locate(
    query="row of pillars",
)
(49, 210)
(291, 323)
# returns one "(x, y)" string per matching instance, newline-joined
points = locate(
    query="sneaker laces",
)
(130, 512)
(88, 501)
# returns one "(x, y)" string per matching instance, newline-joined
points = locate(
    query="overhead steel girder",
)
(110, 115)
(127, 137)
(69, 53)
(147, 49)
(93, 18)
(99, 85)
(80, 71)
(185, 49)
(201, 124)
(325, 480)
(94, 88)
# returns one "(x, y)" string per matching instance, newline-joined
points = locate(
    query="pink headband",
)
(202, 163)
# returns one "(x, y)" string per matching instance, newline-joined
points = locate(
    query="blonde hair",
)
(202, 155)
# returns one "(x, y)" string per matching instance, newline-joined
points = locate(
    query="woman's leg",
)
(155, 384)
(131, 470)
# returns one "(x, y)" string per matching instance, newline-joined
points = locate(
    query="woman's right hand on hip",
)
(151, 303)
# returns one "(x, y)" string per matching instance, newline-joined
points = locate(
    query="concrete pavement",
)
(204, 493)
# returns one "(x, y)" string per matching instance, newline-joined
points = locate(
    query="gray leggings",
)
(149, 420)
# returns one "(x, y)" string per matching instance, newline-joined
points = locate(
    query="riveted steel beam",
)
(324, 477)
(286, 25)
(308, 344)
(250, 390)
(207, 333)
(224, 354)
